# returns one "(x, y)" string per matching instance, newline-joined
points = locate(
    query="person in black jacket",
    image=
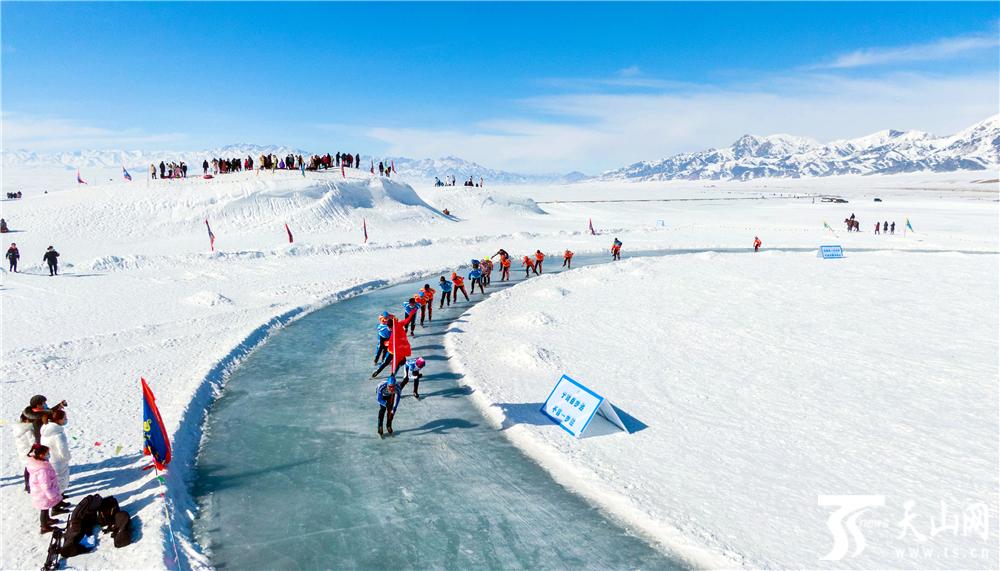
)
(51, 258)
(13, 255)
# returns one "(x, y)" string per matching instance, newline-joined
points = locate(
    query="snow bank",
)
(757, 383)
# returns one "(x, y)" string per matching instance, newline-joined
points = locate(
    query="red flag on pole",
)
(364, 226)
(78, 179)
(290, 240)
(373, 167)
(211, 236)
(591, 222)
(393, 166)
(342, 173)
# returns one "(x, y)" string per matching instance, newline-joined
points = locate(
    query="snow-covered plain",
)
(141, 295)
(765, 380)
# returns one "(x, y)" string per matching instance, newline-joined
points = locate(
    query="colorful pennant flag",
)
(373, 166)
(290, 240)
(211, 236)
(909, 226)
(392, 165)
(590, 222)
(125, 174)
(154, 433)
(364, 226)
(78, 179)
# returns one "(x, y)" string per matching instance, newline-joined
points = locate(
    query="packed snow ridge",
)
(411, 170)
(786, 156)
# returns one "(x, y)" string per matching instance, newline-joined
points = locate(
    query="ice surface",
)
(292, 474)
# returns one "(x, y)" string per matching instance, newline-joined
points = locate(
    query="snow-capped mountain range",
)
(786, 156)
(411, 170)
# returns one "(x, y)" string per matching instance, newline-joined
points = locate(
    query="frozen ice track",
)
(292, 475)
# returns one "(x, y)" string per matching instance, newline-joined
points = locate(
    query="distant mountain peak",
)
(787, 156)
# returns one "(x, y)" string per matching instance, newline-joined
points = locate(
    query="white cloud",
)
(946, 48)
(57, 134)
(596, 131)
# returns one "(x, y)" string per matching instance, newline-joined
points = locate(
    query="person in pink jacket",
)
(44, 486)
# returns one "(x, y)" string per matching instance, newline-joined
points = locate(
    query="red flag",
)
(78, 179)
(290, 240)
(393, 166)
(211, 236)
(364, 226)
(373, 167)
(591, 222)
(342, 173)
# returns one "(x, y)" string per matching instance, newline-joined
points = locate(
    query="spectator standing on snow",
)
(388, 401)
(24, 439)
(163, 169)
(445, 286)
(381, 169)
(204, 167)
(152, 171)
(885, 228)
(878, 227)
(54, 437)
(13, 255)
(756, 244)
(44, 487)
(357, 161)
(892, 227)
(51, 258)
(568, 259)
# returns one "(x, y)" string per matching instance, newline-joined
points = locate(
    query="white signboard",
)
(572, 406)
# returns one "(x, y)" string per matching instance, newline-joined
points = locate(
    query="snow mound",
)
(462, 200)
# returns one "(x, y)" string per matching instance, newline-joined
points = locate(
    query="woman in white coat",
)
(24, 439)
(54, 436)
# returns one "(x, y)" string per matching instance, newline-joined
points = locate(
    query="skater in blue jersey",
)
(388, 401)
(383, 331)
(476, 277)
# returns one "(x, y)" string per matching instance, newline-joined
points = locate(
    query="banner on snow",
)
(573, 406)
(831, 252)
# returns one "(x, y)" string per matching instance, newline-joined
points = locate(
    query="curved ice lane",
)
(292, 474)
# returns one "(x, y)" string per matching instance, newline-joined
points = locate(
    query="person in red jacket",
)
(568, 259)
(539, 257)
(756, 244)
(397, 344)
(529, 266)
(429, 296)
(505, 268)
(421, 300)
(459, 283)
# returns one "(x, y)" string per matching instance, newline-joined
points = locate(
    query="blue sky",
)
(532, 87)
